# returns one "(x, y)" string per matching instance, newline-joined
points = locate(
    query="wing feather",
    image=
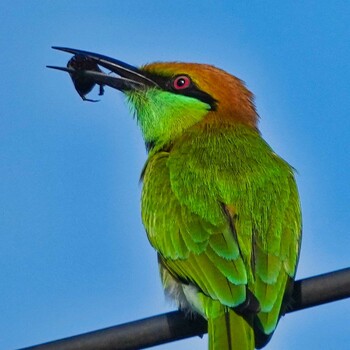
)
(223, 212)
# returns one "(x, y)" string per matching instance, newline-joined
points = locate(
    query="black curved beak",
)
(84, 69)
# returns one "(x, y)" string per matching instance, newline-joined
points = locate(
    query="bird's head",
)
(169, 98)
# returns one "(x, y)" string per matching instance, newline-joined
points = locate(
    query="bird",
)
(219, 206)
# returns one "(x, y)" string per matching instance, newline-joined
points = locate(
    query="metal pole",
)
(173, 326)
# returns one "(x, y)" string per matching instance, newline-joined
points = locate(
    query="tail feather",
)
(230, 331)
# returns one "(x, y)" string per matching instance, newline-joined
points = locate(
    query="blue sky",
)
(73, 253)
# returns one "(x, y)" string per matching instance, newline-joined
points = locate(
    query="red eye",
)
(181, 82)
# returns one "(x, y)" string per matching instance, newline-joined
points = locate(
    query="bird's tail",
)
(230, 331)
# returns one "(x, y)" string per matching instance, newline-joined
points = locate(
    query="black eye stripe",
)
(166, 83)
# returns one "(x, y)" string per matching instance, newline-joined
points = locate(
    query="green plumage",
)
(254, 244)
(218, 205)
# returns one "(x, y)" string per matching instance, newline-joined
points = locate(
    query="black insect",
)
(83, 83)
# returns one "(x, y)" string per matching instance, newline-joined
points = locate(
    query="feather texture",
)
(183, 193)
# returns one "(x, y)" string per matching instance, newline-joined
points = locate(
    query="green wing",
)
(223, 212)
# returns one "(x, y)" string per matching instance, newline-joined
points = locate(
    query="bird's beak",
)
(129, 77)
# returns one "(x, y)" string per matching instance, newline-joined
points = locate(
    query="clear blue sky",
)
(73, 253)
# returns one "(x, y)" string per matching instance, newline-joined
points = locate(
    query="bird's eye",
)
(181, 82)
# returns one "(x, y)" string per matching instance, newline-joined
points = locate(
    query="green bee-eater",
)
(218, 205)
